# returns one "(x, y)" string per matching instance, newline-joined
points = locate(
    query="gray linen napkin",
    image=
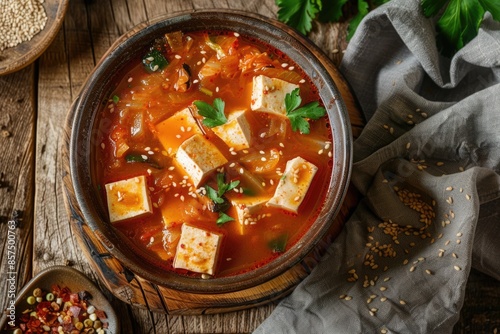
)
(427, 164)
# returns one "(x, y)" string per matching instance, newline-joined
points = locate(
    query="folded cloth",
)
(427, 165)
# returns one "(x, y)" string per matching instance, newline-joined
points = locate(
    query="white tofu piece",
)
(128, 199)
(199, 157)
(197, 250)
(294, 184)
(268, 94)
(173, 131)
(247, 208)
(236, 132)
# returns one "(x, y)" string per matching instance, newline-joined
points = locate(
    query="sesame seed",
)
(383, 288)
(427, 271)
(383, 299)
(177, 136)
(302, 81)
(468, 197)
(457, 268)
(241, 171)
(447, 242)
(236, 34)
(439, 163)
(320, 152)
(291, 68)
(412, 268)
(449, 188)
(402, 302)
(130, 79)
(177, 57)
(454, 255)
(348, 298)
(408, 146)
(144, 157)
(459, 234)
(284, 65)
(383, 331)
(155, 68)
(458, 241)
(342, 296)
(103, 145)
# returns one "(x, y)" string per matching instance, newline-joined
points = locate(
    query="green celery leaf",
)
(213, 195)
(223, 218)
(298, 123)
(492, 6)
(332, 10)
(356, 20)
(298, 13)
(213, 116)
(432, 7)
(458, 25)
(298, 117)
(278, 245)
(154, 61)
(293, 100)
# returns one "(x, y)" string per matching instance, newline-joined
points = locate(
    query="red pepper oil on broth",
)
(142, 100)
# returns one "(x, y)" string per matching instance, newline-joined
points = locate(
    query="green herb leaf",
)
(492, 6)
(278, 245)
(213, 195)
(116, 99)
(213, 115)
(299, 116)
(432, 7)
(332, 10)
(154, 61)
(217, 196)
(356, 20)
(458, 25)
(223, 218)
(298, 13)
(135, 157)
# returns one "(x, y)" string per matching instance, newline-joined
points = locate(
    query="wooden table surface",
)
(33, 106)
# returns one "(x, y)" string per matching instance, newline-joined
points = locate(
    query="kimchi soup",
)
(215, 153)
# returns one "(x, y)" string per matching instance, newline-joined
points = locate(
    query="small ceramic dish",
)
(17, 57)
(64, 277)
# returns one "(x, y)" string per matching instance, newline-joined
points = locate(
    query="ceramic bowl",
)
(98, 87)
(64, 277)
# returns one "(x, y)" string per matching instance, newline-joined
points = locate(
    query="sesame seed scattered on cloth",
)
(20, 20)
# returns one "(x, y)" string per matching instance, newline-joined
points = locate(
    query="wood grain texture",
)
(33, 105)
(17, 140)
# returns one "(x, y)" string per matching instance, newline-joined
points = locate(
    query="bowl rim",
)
(286, 260)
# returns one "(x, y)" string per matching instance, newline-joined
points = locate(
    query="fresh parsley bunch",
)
(458, 23)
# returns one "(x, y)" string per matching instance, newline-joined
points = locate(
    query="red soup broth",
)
(203, 66)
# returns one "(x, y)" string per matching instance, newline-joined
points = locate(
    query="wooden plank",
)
(17, 140)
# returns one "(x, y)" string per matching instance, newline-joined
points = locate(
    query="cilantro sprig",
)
(458, 24)
(299, 116)
(220, 201)
(213, 115)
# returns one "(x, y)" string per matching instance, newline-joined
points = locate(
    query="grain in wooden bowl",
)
(186, 88)
(27, 33)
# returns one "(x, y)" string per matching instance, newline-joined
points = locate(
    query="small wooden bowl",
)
(82, 121)
(17, 57)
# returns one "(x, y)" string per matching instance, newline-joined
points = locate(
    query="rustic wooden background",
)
(33, 106)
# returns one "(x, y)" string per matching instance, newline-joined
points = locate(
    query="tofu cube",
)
(173, 131)
(197, 250)
(247, 208)
(294, 184)
(236, 132)
(268, 94)
(199, 157)
(128, 199)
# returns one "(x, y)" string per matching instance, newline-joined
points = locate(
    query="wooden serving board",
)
(137, 291)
